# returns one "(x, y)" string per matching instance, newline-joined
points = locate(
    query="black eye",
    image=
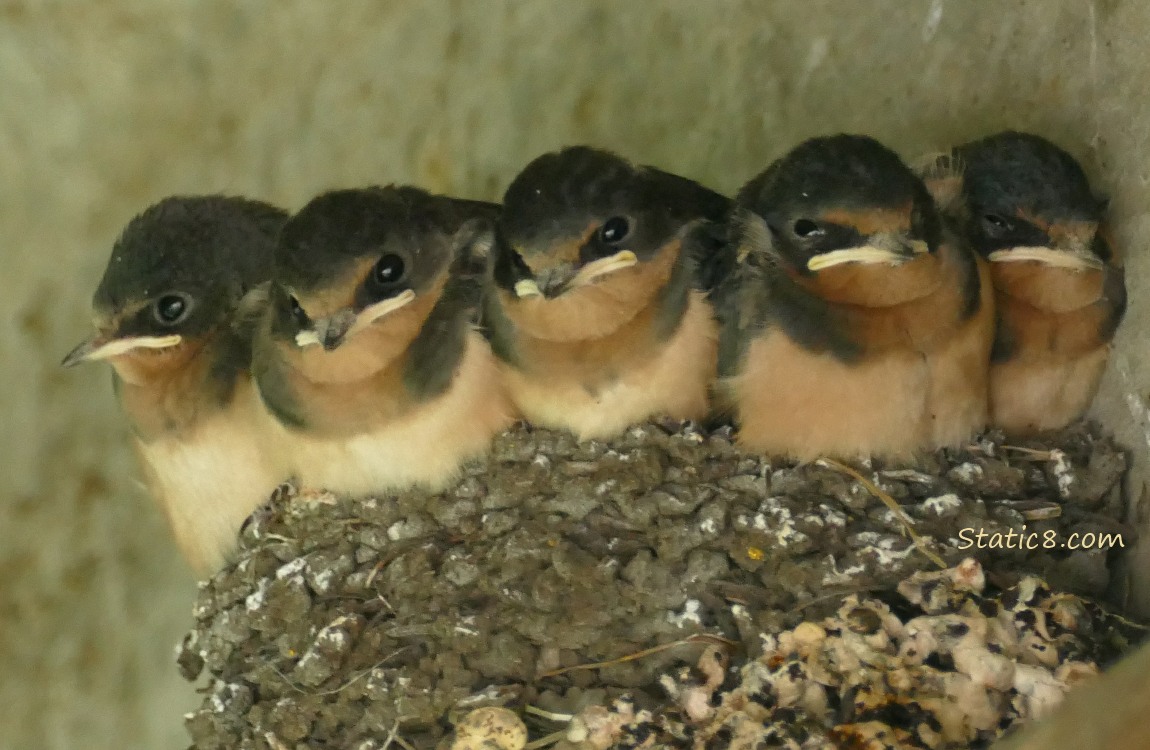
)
(995, 225)
(806, 229)
(171, 308)
(298, 313)
(615, 230)
(389, 269)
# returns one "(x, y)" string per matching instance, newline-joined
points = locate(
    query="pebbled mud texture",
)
(359, 623)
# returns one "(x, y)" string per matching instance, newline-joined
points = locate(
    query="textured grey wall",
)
(109, 106)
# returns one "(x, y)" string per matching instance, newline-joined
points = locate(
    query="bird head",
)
(358, 272)
(1025, 200)
(586, 239)
(844, 216)
(177, 274)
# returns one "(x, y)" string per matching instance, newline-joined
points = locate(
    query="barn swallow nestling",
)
(368, 354)
(1026, 206)
(595, 300)
(853, 324)
(171, 317)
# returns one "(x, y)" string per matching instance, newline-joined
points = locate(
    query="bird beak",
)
(103, 347)
(889, 249)
(552, 281)
(527, 288)
(372, 313)
(328, 332)
(1068, 246)
(334, 330)
(603, 266)
(1075, 259)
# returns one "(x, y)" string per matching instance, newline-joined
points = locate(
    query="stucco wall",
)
(108, 106)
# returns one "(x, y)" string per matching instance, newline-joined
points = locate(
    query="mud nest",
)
(568, 577)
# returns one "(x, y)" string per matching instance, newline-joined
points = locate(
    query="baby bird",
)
(172, 318)
(595, 300)
(1026, 206)
(853, 324)
(367, 356)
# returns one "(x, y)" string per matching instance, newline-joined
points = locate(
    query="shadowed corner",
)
(1108, 713)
